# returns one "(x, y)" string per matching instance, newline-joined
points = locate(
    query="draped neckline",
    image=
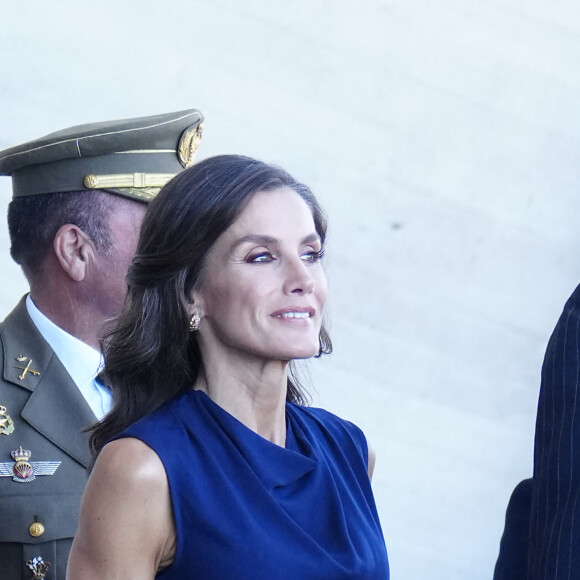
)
(276, 466)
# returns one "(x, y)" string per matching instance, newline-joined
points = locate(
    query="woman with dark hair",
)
(210, 464)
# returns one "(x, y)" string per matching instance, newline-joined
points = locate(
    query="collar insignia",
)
(22, 470)
(25, 369)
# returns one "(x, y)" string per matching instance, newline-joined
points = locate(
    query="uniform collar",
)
(81, 361)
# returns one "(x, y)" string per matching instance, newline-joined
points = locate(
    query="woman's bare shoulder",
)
(129, 466)
(131, 460)
(126, 509)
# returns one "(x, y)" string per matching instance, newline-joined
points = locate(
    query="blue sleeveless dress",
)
(248, 509)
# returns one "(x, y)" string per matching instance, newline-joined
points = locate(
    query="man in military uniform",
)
(79, 198)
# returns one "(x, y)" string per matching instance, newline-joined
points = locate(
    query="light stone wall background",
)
(443, 139)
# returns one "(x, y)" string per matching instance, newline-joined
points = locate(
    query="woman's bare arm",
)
(126, 528)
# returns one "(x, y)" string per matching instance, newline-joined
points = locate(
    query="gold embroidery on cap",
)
(146, 193)
(126, 180)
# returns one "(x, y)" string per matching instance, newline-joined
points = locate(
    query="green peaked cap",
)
(130, 157)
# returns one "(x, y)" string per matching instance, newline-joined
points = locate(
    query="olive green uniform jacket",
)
(48, 414)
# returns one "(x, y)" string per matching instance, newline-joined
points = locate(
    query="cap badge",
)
(6, 422)
(39, 568)
(25, 369)
(188, 144)
(22, 470)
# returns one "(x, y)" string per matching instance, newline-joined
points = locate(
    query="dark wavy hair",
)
(34, 220)
(151, 356)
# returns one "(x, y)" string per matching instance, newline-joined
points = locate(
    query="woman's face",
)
(264, 289)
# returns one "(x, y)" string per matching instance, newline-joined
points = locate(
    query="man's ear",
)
(74, 251)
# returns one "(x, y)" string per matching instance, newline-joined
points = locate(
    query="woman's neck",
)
(254, 392)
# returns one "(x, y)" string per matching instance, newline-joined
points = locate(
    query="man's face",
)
(108, 276)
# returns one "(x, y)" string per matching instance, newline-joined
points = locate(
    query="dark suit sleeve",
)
(555, 515)
(512, 562)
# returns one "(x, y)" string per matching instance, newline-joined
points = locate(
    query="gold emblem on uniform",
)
(25, 369)
(188, 145)
(39, 568)
(36, 529)
(23, 470)
(6, 422)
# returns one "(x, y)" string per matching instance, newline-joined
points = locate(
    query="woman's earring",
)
(194, 322)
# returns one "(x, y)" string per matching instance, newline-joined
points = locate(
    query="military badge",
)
(22, 470)
(25, 369)
(39, 568)
(6, 422)
(188, 145)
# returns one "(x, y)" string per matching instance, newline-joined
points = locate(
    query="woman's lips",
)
(294, 313)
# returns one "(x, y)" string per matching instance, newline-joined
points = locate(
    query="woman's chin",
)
(304, 352)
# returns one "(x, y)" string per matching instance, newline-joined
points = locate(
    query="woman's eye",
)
(260, 257)
(312, 256)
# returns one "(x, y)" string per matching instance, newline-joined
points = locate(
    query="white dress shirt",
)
(81, 361)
